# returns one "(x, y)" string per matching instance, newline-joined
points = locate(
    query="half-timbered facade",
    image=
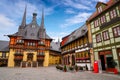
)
(104, 25)
(75, 48)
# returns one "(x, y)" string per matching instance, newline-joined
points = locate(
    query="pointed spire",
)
(58, 40)
(24, 17)
(42, 31)
(42, 20)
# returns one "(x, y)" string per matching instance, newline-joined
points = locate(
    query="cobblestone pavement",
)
(51, 73)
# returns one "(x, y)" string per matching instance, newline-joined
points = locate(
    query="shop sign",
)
(109, 55)
(80, 50)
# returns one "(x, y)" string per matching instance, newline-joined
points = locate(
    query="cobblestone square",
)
(51, 73)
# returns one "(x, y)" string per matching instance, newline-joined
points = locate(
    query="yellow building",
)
(4, 51)
(31, 46)
(55, 54)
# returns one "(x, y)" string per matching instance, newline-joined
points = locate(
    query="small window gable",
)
(100, 6)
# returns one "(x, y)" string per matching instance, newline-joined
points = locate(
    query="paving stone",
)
(51, 73)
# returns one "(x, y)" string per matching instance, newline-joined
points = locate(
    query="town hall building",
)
(30, 46)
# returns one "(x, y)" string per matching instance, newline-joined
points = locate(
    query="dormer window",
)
(32, 34)
(20, 41)
(100, 9)
(41, 43)
(33, 26)
(100, 6)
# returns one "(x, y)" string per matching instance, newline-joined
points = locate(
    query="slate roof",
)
(4, 45)
(109, 4)
(76, 34)
(32, 30)
(55, 46)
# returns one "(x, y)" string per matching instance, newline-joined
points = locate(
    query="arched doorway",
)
(73, 60)
(29, 59)
(68, 60)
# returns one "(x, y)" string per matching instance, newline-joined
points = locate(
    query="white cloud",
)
(69, 11)
(58, 35)
(102, 0)
(7, 26)
(15, 10)
(76, 4)
(77, 19)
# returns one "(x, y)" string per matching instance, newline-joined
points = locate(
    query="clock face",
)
(33, 26)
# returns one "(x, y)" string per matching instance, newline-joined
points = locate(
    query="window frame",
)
(103, 19)
(115, 36)
(104, 35)
(100, 9)
(3, 55)
(97, 38)
(114, 13)
(96, 23)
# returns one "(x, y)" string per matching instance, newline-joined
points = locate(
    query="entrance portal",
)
(102, 62)
(73, 60)
(30, 57)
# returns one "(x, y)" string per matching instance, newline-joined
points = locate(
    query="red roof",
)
(108, 5)
(64, 40)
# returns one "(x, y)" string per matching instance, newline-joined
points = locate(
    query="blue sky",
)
(61, 16)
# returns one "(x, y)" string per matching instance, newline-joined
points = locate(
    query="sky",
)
(61, 16)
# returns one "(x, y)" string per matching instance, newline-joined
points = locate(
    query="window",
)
(103, 19)
(20, 41)
(41, 42)
(105, 35)
(3, 55)
(96, 23)
(113, 13)
(28, 44)
(33, 44)
(32, 34)
(100, 9)
(33, 26)
(98, 38)
(116, 31)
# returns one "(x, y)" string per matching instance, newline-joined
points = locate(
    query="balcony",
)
(20, 42)
(3, 59)
(16, 46)
(31, 47)
(18, 54)
(18, 58)
(83, 58)
(114, 20)
(40, 55)
(40, 59)
(41, 43)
